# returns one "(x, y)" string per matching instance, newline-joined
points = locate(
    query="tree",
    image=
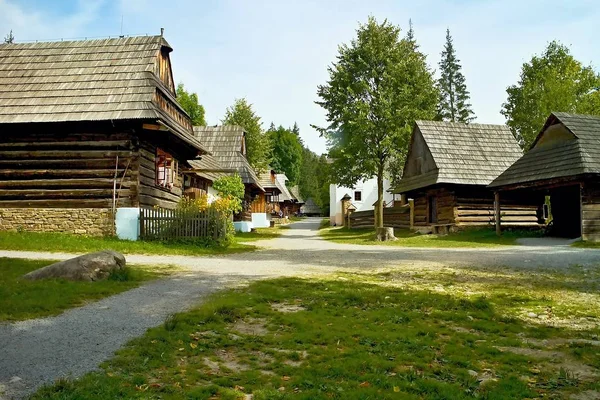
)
(379, 85)
(552, 81)
(189, 102)
(257, 142)
(454, 98)
(296, 129)
(286, 153)
(10, 38)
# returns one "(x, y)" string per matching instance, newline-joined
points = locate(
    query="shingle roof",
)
(295, 191)
(265, 180)
(570, 156)
(467, 154)
(208, 167)
(85, 80)
(226, 143)
(310, 207)
(280, 181)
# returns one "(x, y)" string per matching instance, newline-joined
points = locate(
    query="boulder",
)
(88, 267)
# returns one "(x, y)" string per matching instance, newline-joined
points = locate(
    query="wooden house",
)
(447, 170)
(562, 170)
(272, 191)
(227, 144)
(87, 127)
(310, 208)
(299, 201)
(200, 176)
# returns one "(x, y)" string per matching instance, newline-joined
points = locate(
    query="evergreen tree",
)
(271, 127)
(286, 153)
(258, 146)
(295, 129)
(10, 38)
(454, 98)
(189, 102)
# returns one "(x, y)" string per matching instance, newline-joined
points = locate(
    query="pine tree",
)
(410, 35)
(296, 129)
(10, 38)
(454, 102)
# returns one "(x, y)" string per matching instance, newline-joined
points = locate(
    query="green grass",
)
(62, 242)
(406, 238)
(586, 245)
(260, 234)
(22, 299)
(411, 333)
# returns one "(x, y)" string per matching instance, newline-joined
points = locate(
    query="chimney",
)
(162, 31)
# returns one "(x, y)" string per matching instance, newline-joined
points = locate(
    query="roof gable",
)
(457, 153)
(568, 145)
(91, 80)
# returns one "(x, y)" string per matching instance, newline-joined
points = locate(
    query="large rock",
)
(89, 267)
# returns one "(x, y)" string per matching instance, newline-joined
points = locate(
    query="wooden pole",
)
(497, 213)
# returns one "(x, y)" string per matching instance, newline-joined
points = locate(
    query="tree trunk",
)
(385, 234)
(379, 207)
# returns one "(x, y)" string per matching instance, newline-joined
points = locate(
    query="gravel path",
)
(39, 351)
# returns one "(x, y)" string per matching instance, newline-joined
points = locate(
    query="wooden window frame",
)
(166, 178)
(359, 192)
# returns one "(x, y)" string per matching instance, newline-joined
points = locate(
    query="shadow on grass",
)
(348, 340)
(468, 238)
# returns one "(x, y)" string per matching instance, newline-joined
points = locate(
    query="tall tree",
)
(189, 102)
(552, 81)
(454, 98)
(296, 129)
(377, 88)
(257, 142)
(10, 38)
(286, 153)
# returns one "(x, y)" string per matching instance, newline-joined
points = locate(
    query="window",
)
(166, 169)
(357, 195)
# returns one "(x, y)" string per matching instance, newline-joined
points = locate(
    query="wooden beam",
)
(497, 213)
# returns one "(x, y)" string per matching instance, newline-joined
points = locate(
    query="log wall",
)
(590, 211)
(395, 217)
(53, 169)
(150, 193)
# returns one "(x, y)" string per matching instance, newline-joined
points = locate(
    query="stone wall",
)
(83, 221)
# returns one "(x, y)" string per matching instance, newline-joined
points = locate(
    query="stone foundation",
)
(81, 221)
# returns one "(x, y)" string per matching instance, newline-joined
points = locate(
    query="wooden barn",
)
(447, 170)
(562, 170)
(87, 127)
(227, 144)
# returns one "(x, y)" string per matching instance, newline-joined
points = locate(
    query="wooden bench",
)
(440, 229)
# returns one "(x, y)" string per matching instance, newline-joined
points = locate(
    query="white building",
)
(363, 195)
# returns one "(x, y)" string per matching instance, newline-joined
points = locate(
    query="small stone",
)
(15, 379)
(532, 315)
(281, 389)
(473, 373)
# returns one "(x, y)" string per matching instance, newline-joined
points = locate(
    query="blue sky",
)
(276, 52)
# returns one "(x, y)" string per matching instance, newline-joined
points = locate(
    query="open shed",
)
(447, 170)
(562, 170)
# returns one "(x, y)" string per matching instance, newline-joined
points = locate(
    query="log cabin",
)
(561, 170)
(446, 173)
(269, 182)
(227, 144)
(299, 201)
(88, 127)
(198, 179)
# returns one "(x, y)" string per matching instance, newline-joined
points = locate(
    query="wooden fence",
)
(396, 217)
(164, 224)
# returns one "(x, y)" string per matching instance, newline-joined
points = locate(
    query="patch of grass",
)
(406, 238)
(62, 242)
(385, 336)
(586, 245)
(23, 299)
(259, 234)
(324, 223)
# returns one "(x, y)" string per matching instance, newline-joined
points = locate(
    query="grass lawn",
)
(406, 238)
(62, 242)
(22, 299)
(260, 234)
(586, 245)
(411, 333)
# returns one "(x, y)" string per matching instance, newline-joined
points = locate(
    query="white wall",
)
(368, 189)
(212, 194)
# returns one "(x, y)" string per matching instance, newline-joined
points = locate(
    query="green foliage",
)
(23, 299)
(315, 179)
(379, 85)
(189, 102)
(454, 97)
(257, 142)
(552, 81)
(10, 38)
(231, 186)
(286, 153)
